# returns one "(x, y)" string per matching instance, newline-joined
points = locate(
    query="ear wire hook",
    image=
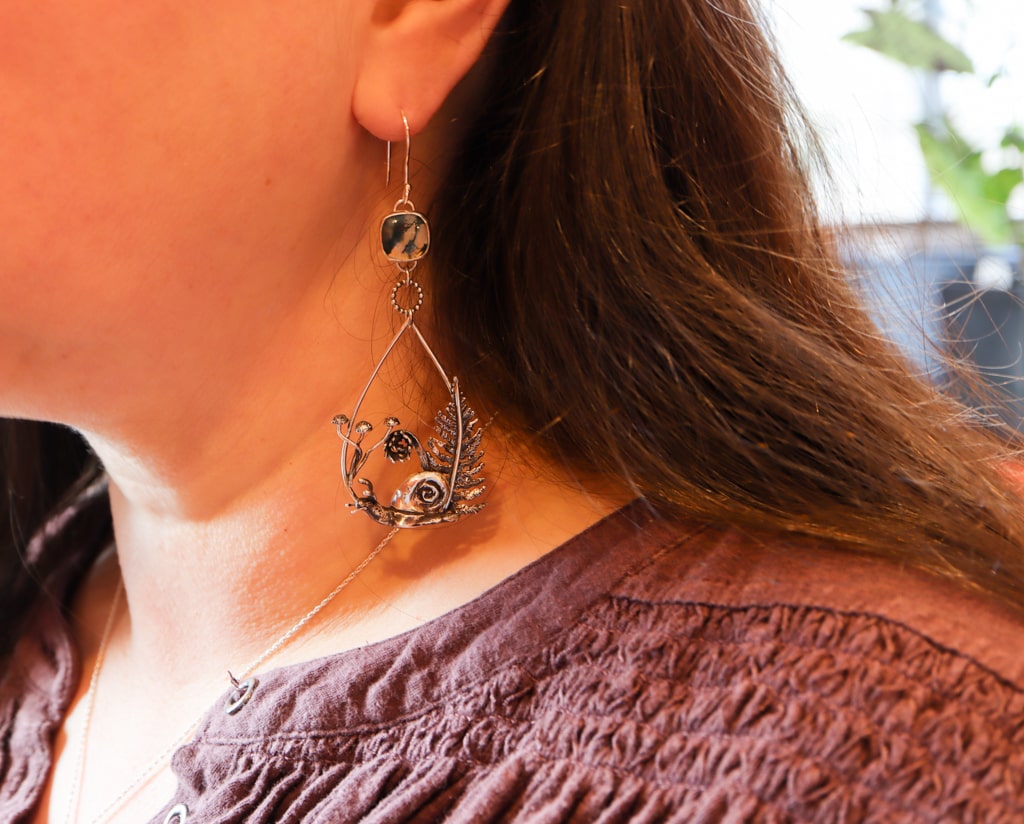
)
(407, 186)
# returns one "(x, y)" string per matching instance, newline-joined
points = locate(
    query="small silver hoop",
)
(417, 290)
(241, 696)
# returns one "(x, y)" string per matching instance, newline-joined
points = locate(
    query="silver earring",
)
(448, 480)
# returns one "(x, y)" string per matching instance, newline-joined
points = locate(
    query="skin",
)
(190, 198)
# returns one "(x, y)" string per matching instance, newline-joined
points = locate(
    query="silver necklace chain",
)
(154, 767)
(90, 695)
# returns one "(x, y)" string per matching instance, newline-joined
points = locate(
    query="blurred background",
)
(920, 105)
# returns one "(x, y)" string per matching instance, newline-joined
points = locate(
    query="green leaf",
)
(1013, 139)
(979, 196)
(909, 42)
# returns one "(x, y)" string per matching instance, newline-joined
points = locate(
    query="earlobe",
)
(416, 53)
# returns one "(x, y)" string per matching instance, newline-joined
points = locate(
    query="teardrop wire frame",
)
(451, 384)
(395, 515)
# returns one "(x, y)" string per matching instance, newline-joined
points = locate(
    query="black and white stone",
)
(405, 236)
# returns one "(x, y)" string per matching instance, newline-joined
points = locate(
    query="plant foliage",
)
(979, 192)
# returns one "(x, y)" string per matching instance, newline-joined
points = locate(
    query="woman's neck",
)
(240, 575)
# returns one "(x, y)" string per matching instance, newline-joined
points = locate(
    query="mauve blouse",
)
(644, 671)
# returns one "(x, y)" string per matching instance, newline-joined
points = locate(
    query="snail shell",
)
(422, 492)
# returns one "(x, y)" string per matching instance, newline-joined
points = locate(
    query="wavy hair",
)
(645, 288)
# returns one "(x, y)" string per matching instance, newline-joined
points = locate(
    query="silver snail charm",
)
(422, 492)
(447, 482)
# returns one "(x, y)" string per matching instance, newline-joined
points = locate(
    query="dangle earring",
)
(448, 481)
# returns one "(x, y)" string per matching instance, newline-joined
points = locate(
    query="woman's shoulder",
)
(821, 683)
(658, 671)
(810, 593)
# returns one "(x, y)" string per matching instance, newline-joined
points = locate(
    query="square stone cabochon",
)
(405, 236)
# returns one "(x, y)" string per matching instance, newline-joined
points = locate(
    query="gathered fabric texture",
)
(645, 671)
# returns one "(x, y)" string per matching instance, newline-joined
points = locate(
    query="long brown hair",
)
(640, 279)
(634, 270)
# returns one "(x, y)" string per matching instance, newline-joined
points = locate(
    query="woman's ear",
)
(416, 52)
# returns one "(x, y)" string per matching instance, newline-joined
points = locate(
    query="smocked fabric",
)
(643, 672)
